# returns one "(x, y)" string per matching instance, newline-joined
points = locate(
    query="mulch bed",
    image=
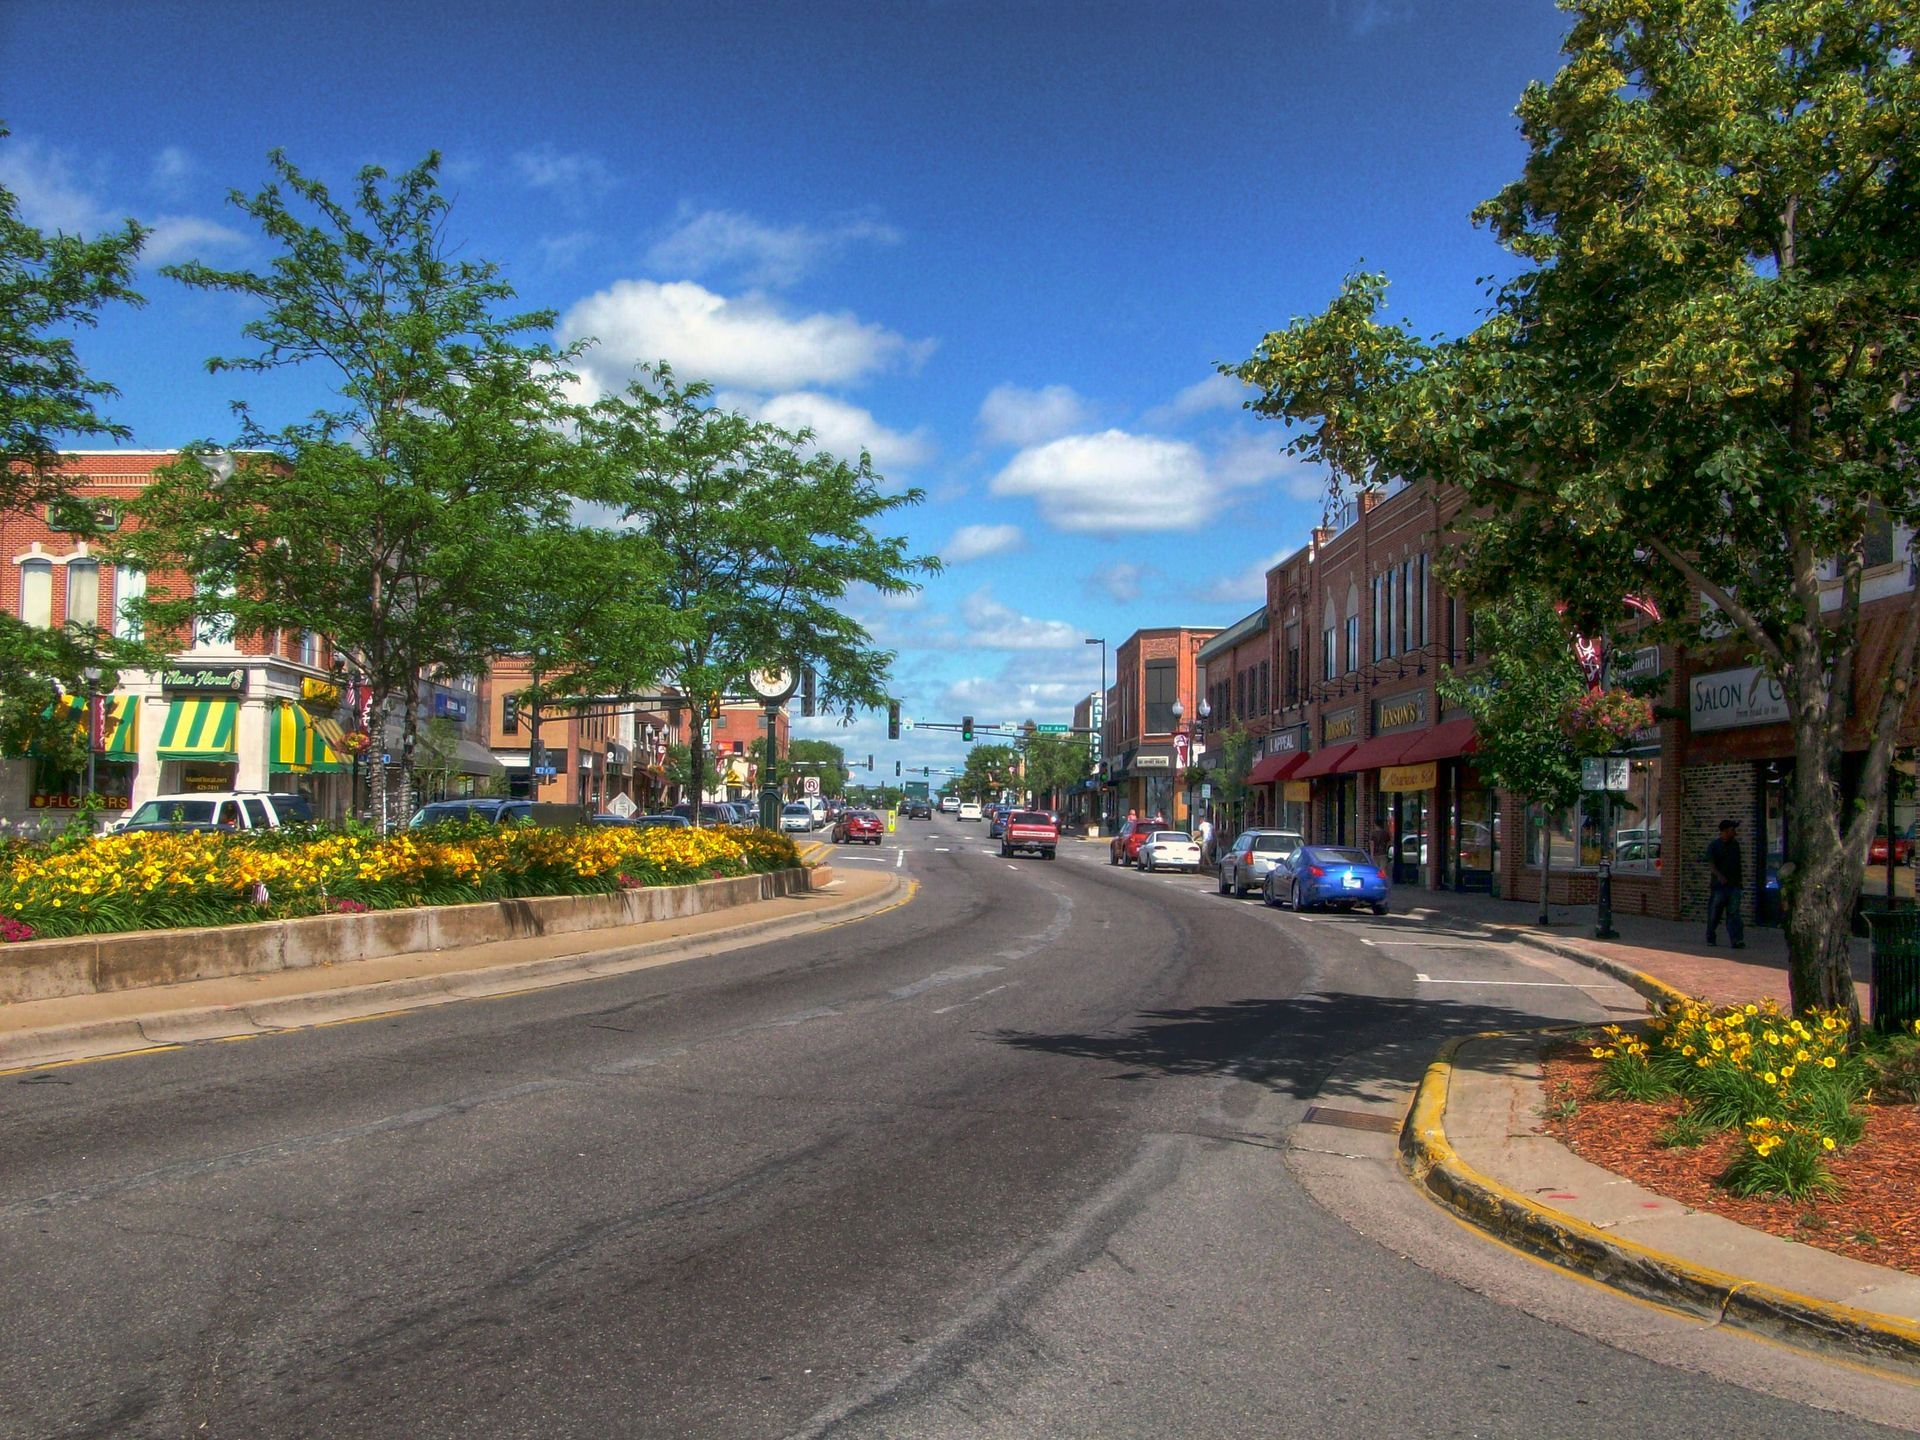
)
(1875, 1217)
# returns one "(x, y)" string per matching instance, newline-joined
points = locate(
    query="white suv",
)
(969, 809)
(219, 810)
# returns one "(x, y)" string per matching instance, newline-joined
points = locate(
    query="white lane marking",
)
(940, 979)
(899, 857)
(941, 849)
(1420, 944)
(969, 1000)
(1524, 984)
(1012, 866)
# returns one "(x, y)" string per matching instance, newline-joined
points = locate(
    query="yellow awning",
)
(199, 728)
(293, 739)
(123, 728)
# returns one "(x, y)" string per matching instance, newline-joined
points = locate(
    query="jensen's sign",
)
(1730, 699)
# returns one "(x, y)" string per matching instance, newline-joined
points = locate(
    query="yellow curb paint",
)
(90, 1059)
(1426, 1150)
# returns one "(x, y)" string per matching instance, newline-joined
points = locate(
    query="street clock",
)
(774, 685)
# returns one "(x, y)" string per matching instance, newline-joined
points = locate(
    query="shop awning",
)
(327, 760)
(199, 728)
(1324, 762)
(123, 728)
(1444, 741)
(1276, 768)
(293, 742)
(330, 730)
(1379, 751)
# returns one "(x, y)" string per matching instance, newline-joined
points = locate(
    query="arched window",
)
(83, 592)
(1330, 642)
(36, 593)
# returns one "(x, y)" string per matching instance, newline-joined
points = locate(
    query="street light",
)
(92, 676)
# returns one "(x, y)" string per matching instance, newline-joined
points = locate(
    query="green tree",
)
(1517, 703)
(989, 769)
(681, 773)
(1229, 777)
(1055, 764)
(822, 758)
(391, 523)
(760, 537)
(50, 286)
(437, 758)
(1698, 387)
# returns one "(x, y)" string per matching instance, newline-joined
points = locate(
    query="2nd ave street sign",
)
(1051, 729)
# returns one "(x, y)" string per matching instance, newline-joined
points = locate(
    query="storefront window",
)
(1573, 834)
(1636, 820)
(1473, 834)
(1890, 856)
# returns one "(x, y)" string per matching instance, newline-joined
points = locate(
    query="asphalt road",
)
(1005, 1161)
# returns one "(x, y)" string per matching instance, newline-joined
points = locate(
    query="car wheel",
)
(1046, 854)
(1266, 894)
(1220, 877)
(1239, 885)
(1379, 907)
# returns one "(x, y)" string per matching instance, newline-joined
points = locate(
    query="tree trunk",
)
(696, 768)
(409, 718)
(1821, 882)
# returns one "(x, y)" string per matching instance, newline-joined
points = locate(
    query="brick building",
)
(1150, 710)
(233, 712)
(598, 751)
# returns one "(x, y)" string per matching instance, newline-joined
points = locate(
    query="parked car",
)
(496, 812)
(997, 820)
(1169, 850)
(796, 817)
(1124, 848)
(1877, 849)
(661, 822)
(1244, 864)
(859, 826)
(969, 809)
(1316, 875)
(233, 810)
(712, 812)
(1034, 830)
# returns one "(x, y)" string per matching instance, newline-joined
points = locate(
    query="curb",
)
(170, 1029)
(1430, 1161)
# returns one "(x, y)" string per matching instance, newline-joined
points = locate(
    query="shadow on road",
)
(1290, 1046)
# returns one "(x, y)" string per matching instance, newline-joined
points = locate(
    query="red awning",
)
(1381, 750)
(1324, 762)
(1275, 768)
(1443, 742)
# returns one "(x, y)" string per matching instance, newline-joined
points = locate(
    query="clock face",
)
(776, 682)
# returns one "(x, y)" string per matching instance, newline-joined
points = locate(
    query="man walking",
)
(1205, 836)
(1723, 886)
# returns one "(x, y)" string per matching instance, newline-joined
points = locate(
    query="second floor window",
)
(1162, 689)
(36, 593)
(1353, 642)
(129, 589)
(1329, 653)
(83, 593)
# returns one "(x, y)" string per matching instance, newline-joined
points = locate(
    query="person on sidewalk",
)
(1205, 836)
(1723, 886)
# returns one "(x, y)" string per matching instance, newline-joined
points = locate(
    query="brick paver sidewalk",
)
(1672, 951)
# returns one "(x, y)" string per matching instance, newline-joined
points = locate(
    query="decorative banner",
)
(321, 692)
(1180, 746)
(1410, 777)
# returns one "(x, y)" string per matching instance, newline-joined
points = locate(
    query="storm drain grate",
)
(1351, 1119)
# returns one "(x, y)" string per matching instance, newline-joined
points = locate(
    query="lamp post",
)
(92, 676)
(1202, 712)
(1100, 739)
(1182, 743)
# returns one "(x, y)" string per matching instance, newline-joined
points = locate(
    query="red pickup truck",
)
(1030, 830)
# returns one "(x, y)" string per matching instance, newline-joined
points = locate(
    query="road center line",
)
(1515, 984)
(970, 999)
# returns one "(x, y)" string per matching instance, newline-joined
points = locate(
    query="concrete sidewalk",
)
(1474, 1141)
(42, 1032)
(1674, 953)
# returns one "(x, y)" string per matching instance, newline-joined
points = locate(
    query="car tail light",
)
(1381, 876)
(1247, 859)
(1316, 872)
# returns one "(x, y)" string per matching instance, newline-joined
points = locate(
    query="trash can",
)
(1896, 969)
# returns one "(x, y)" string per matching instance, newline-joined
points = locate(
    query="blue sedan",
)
(1316, 875)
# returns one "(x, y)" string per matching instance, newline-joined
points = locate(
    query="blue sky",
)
(1000, 245)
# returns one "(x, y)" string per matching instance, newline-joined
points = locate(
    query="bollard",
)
(1604, 929)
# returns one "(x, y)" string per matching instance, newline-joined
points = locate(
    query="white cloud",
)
(1013, 416)
(172, 168)
(1113, 482)
(51, 197)
(757, 253)
(994, 626)
(1249, 586)
(993, 700)
(748, 341)
(576, 180)
(977, 542)
(842, 429)
(1122, 581)
(1216, 392)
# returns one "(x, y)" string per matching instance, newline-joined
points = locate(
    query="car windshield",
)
(1172, 837)
(193, 812)
(1276, 844)
(1031, 817)
(672, 822)
(1343, 857)
(796, 810)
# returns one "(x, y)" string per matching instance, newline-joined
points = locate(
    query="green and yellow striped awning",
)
(199, 728)
(327, 761)
(123, 728)
(293, 739)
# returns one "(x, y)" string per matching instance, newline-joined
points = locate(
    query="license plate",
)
(1352, 882)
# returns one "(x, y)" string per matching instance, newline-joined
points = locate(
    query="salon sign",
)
(1732, 699)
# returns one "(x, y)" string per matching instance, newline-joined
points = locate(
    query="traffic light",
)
(806, 693)
(536, 756)
(510, 714)
(869, 762)
(893, 720)
(966, 727)
(713, 706)
(896, 769)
